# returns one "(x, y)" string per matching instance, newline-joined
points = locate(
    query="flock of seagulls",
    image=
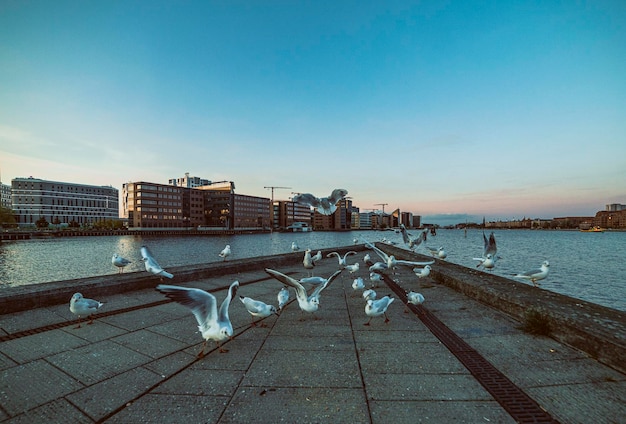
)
(214, 323)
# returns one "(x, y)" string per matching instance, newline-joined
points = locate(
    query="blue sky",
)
(453, 109)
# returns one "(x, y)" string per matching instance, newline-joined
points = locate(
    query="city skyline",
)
(451, 111)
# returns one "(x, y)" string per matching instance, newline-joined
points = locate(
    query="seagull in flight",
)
(213, 324)
(410, 241)
(307, 303)
(391, 261)
(341, 259)
(536, 274)
(488, 262)
(152, 266)
(490, 250)
(324, 205)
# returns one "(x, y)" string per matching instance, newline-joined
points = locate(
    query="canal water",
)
(588, 266)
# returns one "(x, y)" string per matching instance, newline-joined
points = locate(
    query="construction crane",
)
(274, 187)
(272, 207)
(381, 204)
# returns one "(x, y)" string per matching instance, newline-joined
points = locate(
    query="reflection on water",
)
(588, 266)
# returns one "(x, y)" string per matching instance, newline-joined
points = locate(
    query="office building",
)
(62, 203)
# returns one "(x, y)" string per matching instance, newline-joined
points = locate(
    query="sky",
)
(452, 110)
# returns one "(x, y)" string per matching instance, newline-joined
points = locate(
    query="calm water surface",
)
(588, 266)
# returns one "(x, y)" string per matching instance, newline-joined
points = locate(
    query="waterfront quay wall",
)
(597, 330)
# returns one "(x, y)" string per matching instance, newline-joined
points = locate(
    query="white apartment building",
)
(61, 202)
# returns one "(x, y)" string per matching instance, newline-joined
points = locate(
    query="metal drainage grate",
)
(513, 399)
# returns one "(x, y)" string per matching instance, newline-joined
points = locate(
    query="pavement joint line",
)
(62, 324)
(358, 358)
(513, 399)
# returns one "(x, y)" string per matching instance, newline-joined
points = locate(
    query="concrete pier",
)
(460, 357)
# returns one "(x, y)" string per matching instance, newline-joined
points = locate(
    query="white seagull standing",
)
(536, 274)
(358, 284)
(283, 298)
(214, 324)
(258, 309)
(376, 308)
(84, 307)
(422, 272)
(324, 205)
(308, 260)
(307, 303)
(438, 252)
(317, 257)
(225, 252)
(375, 278)
(295, 247)
(414, 298)
(152, 266)
(119, 262)
(369, 294)
(353, 268)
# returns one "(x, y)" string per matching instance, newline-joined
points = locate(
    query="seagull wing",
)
(232, 291)
(321, 287)
(412, 263)
(337, 195)
(306, 199)
(287, 280)
(202, 304)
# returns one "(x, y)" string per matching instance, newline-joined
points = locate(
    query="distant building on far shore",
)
(62, 203)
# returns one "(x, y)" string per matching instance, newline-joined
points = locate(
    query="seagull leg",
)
(201, 353)
(78, 322)
(386, 318)
(368, 321)
(221, 349)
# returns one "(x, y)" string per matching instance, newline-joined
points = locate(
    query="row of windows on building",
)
(151, 205)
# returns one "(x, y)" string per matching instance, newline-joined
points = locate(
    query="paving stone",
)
(26, 349)
(58, 411)
(100, 400)
(408, 358)
(170, 364)
(297, 405)
(158, 408)
(201, 382)
(320, 368)
(149, 343)
(405, 386)
(6, 362)
(584, 403)
(28, 386)
(99, 361)
(436, 412)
